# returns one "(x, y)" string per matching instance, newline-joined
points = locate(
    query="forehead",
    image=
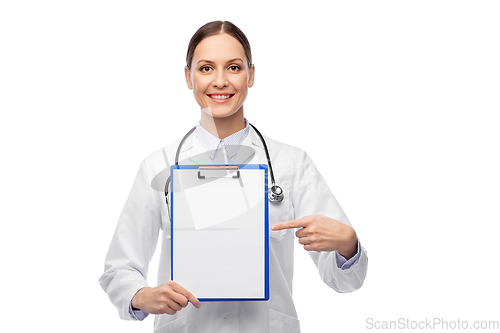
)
(219, 48)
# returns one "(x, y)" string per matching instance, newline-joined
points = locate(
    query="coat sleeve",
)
(133, 245)
(310, 196)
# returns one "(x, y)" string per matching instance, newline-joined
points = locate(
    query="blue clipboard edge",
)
(266, 228)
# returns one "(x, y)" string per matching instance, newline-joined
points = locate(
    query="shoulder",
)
(289, 160)
(285, 151)
(155, 167)
(161, 157)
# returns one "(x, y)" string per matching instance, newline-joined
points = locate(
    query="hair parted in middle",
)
(216, 28)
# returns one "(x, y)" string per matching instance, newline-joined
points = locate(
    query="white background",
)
(395, 101)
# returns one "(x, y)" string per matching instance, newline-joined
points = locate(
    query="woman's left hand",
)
(321, 233)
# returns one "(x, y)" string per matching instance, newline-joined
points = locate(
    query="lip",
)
(220, 101)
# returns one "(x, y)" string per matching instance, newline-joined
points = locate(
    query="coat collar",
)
(192, 151)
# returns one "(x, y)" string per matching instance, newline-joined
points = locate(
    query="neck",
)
(223, 127)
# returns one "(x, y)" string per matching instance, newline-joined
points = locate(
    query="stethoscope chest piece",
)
(275, 194)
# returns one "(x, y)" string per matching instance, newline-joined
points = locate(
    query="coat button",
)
(229, 317)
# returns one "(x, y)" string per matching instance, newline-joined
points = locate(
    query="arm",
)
(132, 246)
(325, 231)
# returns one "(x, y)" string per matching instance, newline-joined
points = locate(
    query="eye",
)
(234, 68)
(205, 69)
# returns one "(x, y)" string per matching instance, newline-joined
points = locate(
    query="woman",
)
(219, 70)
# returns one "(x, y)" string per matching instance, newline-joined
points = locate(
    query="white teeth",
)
(220, 96)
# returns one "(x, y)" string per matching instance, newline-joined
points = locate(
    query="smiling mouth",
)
(220, 97)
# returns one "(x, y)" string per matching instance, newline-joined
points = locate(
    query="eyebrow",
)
(211, 62)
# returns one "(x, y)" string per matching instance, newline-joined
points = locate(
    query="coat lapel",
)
(253, 140)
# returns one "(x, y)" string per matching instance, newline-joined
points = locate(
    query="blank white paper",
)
(218, 238)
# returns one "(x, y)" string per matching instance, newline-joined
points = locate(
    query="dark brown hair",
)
(216, 28)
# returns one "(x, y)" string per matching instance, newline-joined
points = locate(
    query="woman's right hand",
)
(167, 298)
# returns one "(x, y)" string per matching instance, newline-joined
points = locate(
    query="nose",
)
(220, 80)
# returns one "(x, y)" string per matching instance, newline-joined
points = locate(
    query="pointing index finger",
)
(300, 223)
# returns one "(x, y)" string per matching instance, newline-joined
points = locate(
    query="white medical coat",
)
(145, 215)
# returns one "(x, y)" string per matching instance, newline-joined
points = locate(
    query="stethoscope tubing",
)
(276, 194)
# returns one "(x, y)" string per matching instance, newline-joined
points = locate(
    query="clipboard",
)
(220, 231)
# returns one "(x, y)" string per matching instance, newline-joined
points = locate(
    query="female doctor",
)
(219, 71)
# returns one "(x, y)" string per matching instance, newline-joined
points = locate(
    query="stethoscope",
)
(275, 192)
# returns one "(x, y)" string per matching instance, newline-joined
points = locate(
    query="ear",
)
(188, 77)
(252, 76)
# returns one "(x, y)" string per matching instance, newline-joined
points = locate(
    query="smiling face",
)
(219, 75)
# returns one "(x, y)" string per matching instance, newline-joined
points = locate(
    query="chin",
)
(220, 113)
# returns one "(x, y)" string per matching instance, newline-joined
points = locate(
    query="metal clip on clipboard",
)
(219, 168)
